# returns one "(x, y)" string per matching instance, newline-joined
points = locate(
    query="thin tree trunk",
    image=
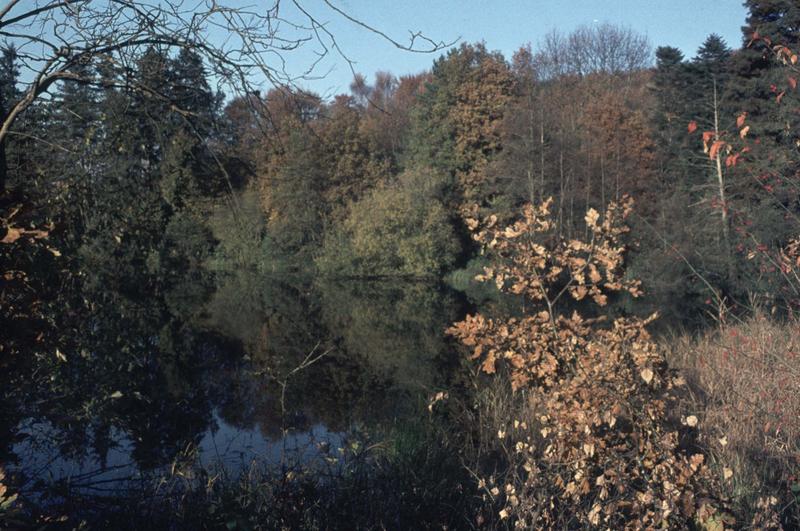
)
(588, 170)
(531, 142)
(561, 193)
(603, 179)
(720, 174)
(541, 155)
(722, 198)
(617, 172)
(571, 186)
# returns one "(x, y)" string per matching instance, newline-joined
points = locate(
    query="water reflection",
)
(242, 369)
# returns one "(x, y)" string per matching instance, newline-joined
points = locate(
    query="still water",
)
(220, 375)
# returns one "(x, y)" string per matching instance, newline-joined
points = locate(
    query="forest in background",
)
(153, 166)
(376, 183)
(124, 188)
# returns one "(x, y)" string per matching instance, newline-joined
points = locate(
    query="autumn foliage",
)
(600, 447)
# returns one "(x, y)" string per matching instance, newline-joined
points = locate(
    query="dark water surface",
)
(239, 370)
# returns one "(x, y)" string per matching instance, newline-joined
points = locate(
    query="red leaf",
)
(715, 149)
(793, 83)
(740, 120)
(780, 96)
(707, 136)
(692, 127)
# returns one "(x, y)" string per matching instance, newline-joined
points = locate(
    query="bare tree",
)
(601, 48)
(239, 44)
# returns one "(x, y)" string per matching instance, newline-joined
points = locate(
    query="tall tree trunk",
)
(731, 267)
(603, 179)
(541, 154)
(531, 143)
(720, 174)
(561, 191)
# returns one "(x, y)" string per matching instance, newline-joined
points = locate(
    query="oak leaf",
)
(591, 217)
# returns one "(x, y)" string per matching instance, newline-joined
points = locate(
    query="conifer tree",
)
(190, 90)
(9, 74)
(777, 19)
(129, 214)
(671, 114)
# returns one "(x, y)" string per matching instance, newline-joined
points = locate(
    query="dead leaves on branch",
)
(532, 264)
(11, 233)
(14, 233)
(605, 451)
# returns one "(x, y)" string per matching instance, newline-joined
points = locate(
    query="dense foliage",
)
(123, 199)
(357, 185)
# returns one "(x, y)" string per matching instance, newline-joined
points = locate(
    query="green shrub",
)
(398, 229)
(239, 226)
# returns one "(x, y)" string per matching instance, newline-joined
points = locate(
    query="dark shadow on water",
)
(220, 374)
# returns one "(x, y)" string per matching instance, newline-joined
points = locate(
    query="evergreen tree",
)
(710, 73)
(434, 128)
(765, 190)
(190, 91)
(152, 109)
(196, 127)
(74, 158)
(760, 79)
(713, 53)
(9, 92)
(671, 114)
(129, 214)
(9, 75)
(690, 96)
(777, 19)
(77, 111)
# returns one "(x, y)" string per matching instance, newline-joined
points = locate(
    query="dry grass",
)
(745, 382)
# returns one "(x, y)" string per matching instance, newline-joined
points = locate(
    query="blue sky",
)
(505, 25)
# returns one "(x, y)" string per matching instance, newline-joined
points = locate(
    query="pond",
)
(221, 374)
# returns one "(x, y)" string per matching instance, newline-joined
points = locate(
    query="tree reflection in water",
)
(133, 385)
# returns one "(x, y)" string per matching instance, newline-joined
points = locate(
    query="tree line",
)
(148, 169)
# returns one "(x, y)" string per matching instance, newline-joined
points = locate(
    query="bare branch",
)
(433, 46)
(242, 46)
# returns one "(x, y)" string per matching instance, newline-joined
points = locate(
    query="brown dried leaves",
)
(603, 450)
(534, 265)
